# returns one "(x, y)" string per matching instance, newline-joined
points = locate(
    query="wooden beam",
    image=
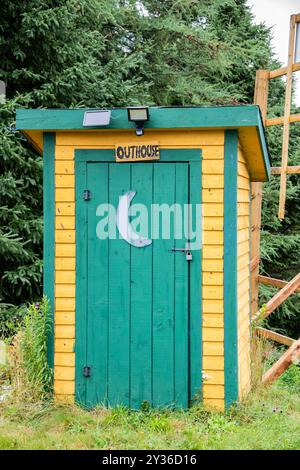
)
(297, 18)
(273, 336)
(286, 121)
(278, 299)
(261, 98)
(291, 356)
(270, 281)
(290, 170)
(278, 121)
(283, 71)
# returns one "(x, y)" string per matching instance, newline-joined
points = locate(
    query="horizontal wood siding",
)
(212, 267)
(243, 276)
(212, 145)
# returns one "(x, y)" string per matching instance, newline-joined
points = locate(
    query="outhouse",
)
(147, 250)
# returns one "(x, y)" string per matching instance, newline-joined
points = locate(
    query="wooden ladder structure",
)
(286, 288)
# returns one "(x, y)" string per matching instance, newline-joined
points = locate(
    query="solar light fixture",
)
(139, 115)
(97, 117)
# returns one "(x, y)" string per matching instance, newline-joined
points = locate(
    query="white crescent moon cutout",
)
(123, 224)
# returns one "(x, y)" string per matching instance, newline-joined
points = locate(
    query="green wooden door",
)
(133, 324)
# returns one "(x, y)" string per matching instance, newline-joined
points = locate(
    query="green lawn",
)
(269, 419)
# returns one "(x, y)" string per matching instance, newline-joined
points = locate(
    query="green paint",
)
(166, 155)
(81, 283)
(230, 267)
(222, 117)
(196, 292)
(132, 322)
(49, 236)
(160, 118)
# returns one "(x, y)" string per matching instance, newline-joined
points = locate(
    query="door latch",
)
(187, 251)
(86, 195)
(86, 371)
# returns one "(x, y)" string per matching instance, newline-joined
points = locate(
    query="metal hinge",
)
(86, 371)
(86, 195)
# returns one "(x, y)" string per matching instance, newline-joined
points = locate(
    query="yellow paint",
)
(65, 195)
(243, 276)
(65, 305)
(66, 399)
(213, 237)
(213, 349)
(64, 181)
(65, 318)
(65, 208)
(166, 138)
(64, 373)
(214, 404)
(64, 359)
(213, 181)
(212, 279)
(65, 264)
(64, 167)
(65, 250)
(215, 265)
(213, 391)
(213, 223)
(214, 377)
(211, 143)
(64, 222)
(64, 345)
(64, 387)
(213, 334)
(65, 331)
(213, 363)
(213, 320)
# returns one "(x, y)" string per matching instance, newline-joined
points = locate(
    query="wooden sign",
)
(137, 153)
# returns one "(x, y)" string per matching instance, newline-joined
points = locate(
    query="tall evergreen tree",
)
(105, 53)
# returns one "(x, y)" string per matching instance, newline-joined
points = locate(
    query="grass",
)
(268, 419)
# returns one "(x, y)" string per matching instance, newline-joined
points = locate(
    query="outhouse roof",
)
(245, 118)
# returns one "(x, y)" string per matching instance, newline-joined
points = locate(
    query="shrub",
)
(30, 373)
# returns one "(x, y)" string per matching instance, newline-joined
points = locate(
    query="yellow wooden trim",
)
(213, 292)
(213, 391)
(65, 222)
(65, 318)
(215, 265)
(212, 167)
(213, 181)
(211, 278)
(213, 363)
(64, 345)
(65, 290)
(214, 404)
(213, 237)
(64, 373)
(212, 195)
(64, 167)
(64, 359)
(62, 264)
(65, 277)
(166, 138)
(65, 152)
(65, 236)
(65, 305)
(213, 320)
(65, 331)
(214, 377)
(213, 334)
(212, 306)
(212, 252)
(213, 210)
(213, 349)
(64, 181)
(64, 387)
(65, 250)
(65, 195)
(65, 208)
